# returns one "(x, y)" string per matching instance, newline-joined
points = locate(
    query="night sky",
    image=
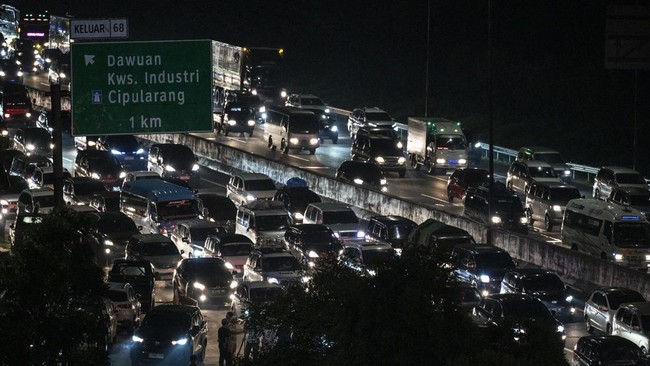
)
(550, 84)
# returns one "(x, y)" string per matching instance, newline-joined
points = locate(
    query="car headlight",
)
(560, 328)
(273, 280)
(180, 342)
(232, 122)
(95, 176)
(401, 160)
(137, 339)
(400, 145)
(254, 91)
(361, 234)
(108, 242)
(140, 151)
(18, 61)
(485, 278)
(462, 161)
(29, 147)
(283, 94)
(298, 216)
(567, 173)
(251, 122)
(372, 273)
(234, 284)
(195, 167)
(199, 285)
(28, 115)
(380, 159)
(618, 257)
(305, 279)
(327, 110)
(334, 129)
(293, 140)
(557, 208)
(313, 141)
(229, 266)
(358, 181)
(20, 73)
(312, 254)
(440, 161)
(62, 75)
(2, 73)
(383, 182)
(496, 220)
(122, 174)
(51, 145)
(647, 257)
(4, 202)
(262, 109)
(5, 133)
(569, 298)
(250, 197)
(523, 220)
(169, 168)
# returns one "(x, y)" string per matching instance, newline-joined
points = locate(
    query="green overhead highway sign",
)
(141, 87)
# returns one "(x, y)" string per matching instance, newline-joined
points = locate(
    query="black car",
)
(295, 200)
(80, 190)
(543, 285)
(507, 209)
(311, 242)
(33, 140)
(218, 208)
(386, 152)
(174, 161)
(604, 350)
(59, 71)
(108, 201)
(11, 71)
(391, 229)
(45, 120)
(10, 188)
(170, 334)
(519, 311)
(247, 99)
(363, 174)
(100, 165)
(206, 280)
(126, 149)
(7, 157)
(463, 179)
(237, 117)
(109, 236)
(481, 265)
(140, 275)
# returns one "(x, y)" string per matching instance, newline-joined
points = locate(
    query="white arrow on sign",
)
(89, 59)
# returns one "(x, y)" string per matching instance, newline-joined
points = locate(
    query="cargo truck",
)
(438, 144)
(257, 70)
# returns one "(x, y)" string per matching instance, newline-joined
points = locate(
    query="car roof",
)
(331, 206)
(635, 191)
(282, 253)
(370, 109)
(261, 284)
(619, 169)
(312, 227)
(306, 95)
(531, 272)
(118, 286)
(39, 192)
(368, 244)
(232, 238)
(252, 176)
(639, 307)
(511, 297)
(393, 219)
(480, 248)
(555, 185)
(198, 223)
(600, 339)
(151, 238)
(535, 163)
(610, 290)
(538, 149)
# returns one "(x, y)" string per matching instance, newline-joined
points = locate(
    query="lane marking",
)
(214, 183)
(298, 157)
(433, 198)
(236, 139)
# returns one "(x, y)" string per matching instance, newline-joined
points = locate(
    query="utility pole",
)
(490, 127)
(426, 73)
(57, 152)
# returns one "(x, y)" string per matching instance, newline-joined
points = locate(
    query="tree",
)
(50, 306)
(406, 314)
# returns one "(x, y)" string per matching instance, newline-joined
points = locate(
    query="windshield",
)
(564, 194)
(375, 258)
(340, 217)
(104, 164)
(177, 210)
(280, 264)
(494, 260)
(475, 177)
(214, 267)
(126, 143)
(48, 178)
(239, 112)
(615, 299)
(272, 222)
(201, 233)
(454, 142)
(236, 250)
(44, 201)
(117, 296)
(303, 123)
(530, 309)
(400, 231)
(300, 198)
(469, 294)
(220, 208)
(266, 294)
(550, 157)
(632, 235)
(311, 101)
(259, 185)
(38, 135)
(542, 283)
(115, 224)
(385, 147)
(640, 200)
(378, 116)
(324, 241)
(88, 188)
(630, 178)
(167, 320)
(617, 352)
(542, 172)
(508, 206)
(160, 248)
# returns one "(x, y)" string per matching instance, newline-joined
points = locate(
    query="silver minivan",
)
(632, 322)
(243, 188)
(545, 202)
(263, 222)
(337, 216)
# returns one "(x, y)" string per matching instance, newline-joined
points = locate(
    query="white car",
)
(128, 305)
(279, 267)
(258, 292)
(603, 304)
(632, 322)
(247, 187)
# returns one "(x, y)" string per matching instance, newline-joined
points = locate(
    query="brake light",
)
(443, 148)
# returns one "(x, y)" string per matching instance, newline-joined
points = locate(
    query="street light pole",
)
(57, 151)
(490, 126)
(426, 77)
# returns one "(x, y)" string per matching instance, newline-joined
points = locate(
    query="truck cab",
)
(437, 144)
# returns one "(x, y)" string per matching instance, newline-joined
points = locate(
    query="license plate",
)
(217, 291)
(453, 161)
(184, 177)
(128, 158)
(159, 356)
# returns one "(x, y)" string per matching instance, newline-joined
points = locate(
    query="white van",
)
(263, 222)
(291, 129)
(609, 231)
(337, 216)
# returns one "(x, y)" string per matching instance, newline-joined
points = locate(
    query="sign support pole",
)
(57, 152)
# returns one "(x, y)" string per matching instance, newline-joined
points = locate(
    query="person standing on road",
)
(233, 329)
(223, 336)
(252, 346)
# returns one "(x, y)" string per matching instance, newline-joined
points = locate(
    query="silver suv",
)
(244, 188)
(548, 155)
(546, 202)
(611, 177)
(523, 173)
(368, 117)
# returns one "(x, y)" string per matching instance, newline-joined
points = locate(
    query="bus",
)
(157, 205)
(611, 232)
(9, 24)
(291, 128)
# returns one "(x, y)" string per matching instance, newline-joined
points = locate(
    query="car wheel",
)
(450, 196)
(548, 224)
(590, 328)
(175, 299)
(609, 328)
(402, 173)
(509, 186)
(597, 194)
(250, 133)
(201, 356)
(643, 350)
(335, 140)
(414, 163)
(312, 151)
(225, 131)
(529, 214)
(270, 142)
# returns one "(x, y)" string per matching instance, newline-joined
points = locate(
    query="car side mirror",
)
(186, 239)
(182, 251)
(602, 308)
(140, 227)
(636, 328)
